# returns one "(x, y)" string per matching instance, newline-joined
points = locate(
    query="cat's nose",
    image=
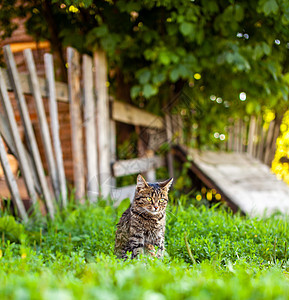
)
(156, 207)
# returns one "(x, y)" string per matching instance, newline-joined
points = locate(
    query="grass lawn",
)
(233, 257)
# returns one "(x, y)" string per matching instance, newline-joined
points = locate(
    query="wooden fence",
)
(93, 120)
(254, 137)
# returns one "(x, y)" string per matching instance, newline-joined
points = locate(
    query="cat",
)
(141, 229)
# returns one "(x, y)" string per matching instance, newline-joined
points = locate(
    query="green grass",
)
(72, 258)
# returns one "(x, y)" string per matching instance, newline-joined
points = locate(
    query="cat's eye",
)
(149, 199)
(162, 200)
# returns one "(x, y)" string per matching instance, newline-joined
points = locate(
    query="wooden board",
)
(76, 123)
(129, 114)
(245, 181)
(137, 165)
(90, 129)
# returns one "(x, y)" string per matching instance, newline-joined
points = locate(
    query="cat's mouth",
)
(151, 212)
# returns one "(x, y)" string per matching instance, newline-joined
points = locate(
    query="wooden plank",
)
(44, 129)
(61, 87)
(260, 150)
(269, 142)
(113, 145)
(244, 137)
(274, 139)
(137, 165)
(119, 194)
(23, 162)
(230, 142)
(49, 70)
(11, 182)
(90, 129)
(30, 136)
(205, 177)
(247, 182)
(6, 134)
(236, 136)
(251, 135)
(129, 114)
(169, 133)
(258, 130)
(103, 117)
(76, 123)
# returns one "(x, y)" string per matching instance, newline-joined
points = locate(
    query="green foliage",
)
(236, 257)
(10, 229)
(236, 46)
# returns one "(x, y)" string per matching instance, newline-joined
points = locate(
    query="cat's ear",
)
(141, 182)
(165, 185)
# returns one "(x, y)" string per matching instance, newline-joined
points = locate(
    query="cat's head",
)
(152, 197)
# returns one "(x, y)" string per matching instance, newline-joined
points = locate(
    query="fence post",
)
(23, 161)
(49, 70)
(11, 182)
(102, 104)
(169, 132)
(75, 97)
(90, 129)
(251, 135)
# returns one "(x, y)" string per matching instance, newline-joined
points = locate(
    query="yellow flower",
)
(1, 253)
(23, 255)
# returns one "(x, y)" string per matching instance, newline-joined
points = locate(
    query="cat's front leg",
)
(136, 243)
(160, 243)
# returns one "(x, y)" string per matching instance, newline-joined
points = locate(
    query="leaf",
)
(149, 90)
(239, 12)
(174, 75)
(266, 48)
(187, 28)
(144, 76)
(164, 58)
(159, 78)
(269, 7)
(250, 107)
(135, 90)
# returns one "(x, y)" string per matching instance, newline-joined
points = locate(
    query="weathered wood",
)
(119, 194)
(30, 136)
(244, 137)
(251, 135)
(260, 150)
(257, 136)
(6, 134)
(274, 139)
(247, 182)
(23, 162)
(76, 123)
(90, 129)
(49, 71)
(269, 142)
(129, 114)
(8, 137)
(168, 123)
(44, 129)
(11, 182)
(113, 145)
(61, 87)
(237, 136)
(103, 115)
(137, 165)
(204, 176)
(230, 142)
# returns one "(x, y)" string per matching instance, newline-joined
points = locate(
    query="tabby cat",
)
(141, 228)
